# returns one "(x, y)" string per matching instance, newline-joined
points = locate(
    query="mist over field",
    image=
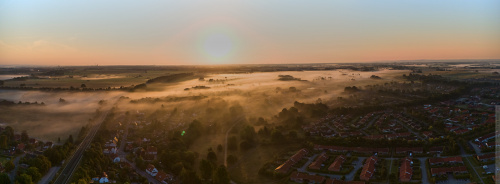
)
(261, 95)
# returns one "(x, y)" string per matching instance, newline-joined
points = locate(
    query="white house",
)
(151, 170)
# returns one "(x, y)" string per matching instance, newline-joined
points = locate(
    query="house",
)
(48, 145)
(20, 146)
(368, 169)
(486, 157)
(104, 178)
(408, 150)
(316, 165)
(285, 167)
(163, 177)
(440, 161)
(116, 158)
(446, 170)
(336, 181)
(32, 141)
(151, 170)
(337, 164)
(17, 137)
(486, 138)
(405, 171)
(436, 149)
(303, 177)
(150, 153)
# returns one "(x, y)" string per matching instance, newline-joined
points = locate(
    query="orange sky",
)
(233, 32)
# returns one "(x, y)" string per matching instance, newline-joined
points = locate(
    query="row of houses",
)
(398, 150)
(342, 149)
(448, 170)
(315, 179)
(285, 167)
(486, 157)
(368, 169)
(406, 170)
(388, 136)
(448, 160)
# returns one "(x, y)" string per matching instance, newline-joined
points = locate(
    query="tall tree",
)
(3, 141)
(24, 136)
(211, 156)
(9, 166)
(221, 176)
(206, 169)
(4, 178)
(70, 139)
(24, 179)
(34, 173)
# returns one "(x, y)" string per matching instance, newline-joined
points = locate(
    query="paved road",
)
(410, 130)
(12, 173)
(143, 173)
(425, 179)
(74, 160)
(473, 168)
(227, 134)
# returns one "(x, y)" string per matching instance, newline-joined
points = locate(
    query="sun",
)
(217, 46)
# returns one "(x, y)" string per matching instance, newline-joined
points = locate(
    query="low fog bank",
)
(259, 95)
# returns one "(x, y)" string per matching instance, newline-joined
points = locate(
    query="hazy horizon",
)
(81, 33)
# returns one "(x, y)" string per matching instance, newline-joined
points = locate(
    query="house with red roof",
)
(285, 167)
(441, 161)
(368, 169)
(448, 170)
(151, 170)
(337, 164)
(405, 171)
(486, 157)
(304, 177)
(337, 181)
(316, 165)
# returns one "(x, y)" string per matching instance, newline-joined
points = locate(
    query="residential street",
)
(12, 174)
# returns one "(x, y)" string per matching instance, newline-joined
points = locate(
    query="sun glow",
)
(217, 46)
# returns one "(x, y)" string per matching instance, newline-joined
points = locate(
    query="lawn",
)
(4, 159)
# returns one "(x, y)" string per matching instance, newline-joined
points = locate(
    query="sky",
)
(173, 32)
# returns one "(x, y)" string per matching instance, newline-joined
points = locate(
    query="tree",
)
(206, 169)
(4, 178)
(221, 176)
(24, 136)
(232, 143)
(3, 141)
(231, 159)
(70, 139)
(9, 132)
(9, 166)
(248, 134)
(219, 148)
(83, 86)
(24, 179)
(276, 136)
(34, 173)
(188, 176)
(211, 156)
(292, 134)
